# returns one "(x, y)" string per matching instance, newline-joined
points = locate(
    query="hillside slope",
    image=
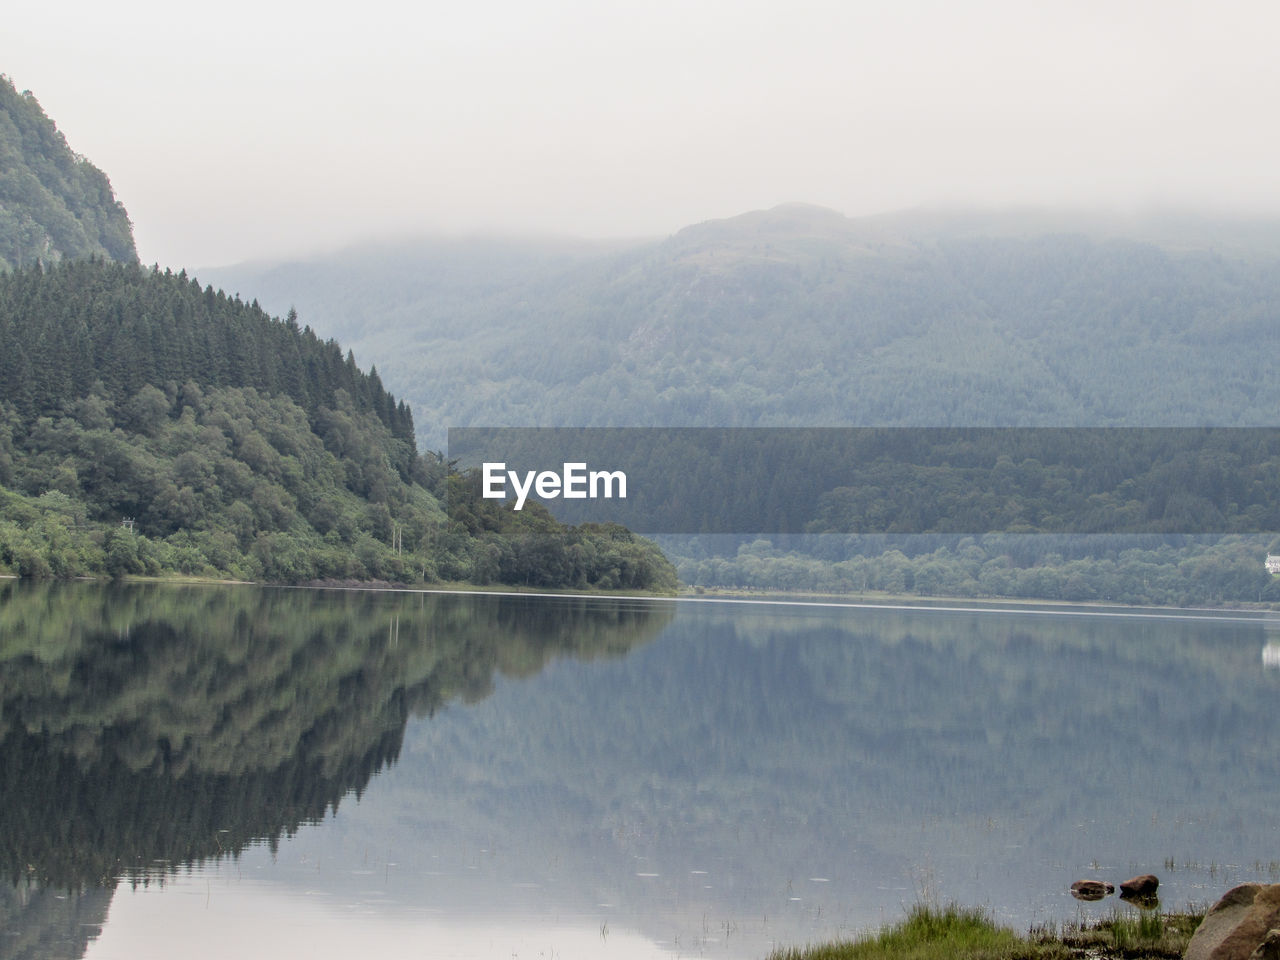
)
(800, 316)
(148, 425)
(54, 204)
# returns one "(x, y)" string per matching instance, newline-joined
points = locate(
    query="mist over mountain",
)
(54, 204)
(800, 316)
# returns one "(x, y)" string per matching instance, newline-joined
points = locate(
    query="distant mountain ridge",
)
(54, 204)
(800, 316)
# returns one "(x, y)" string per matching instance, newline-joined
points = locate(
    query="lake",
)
(213, 770)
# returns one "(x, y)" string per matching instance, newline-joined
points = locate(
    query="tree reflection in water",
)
(144, 728)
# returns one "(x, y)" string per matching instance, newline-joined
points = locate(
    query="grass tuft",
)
(933, 933)
(964, 933)
(1150, 934)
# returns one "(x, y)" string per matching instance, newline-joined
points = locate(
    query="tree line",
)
(1141, 570)
(231, 443)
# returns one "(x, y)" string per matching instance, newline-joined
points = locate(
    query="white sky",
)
(263, 129)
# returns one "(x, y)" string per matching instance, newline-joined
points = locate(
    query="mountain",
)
(801, 316)
(149, 425)
(54, 204)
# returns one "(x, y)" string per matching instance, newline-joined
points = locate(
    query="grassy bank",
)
(961, 933)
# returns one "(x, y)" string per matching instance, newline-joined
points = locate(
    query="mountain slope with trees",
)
(54, 204)
(148, 425)
(800, 316)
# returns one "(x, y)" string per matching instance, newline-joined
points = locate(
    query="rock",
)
(1140, 888)
(1243, 925)
(1091, 889)
(1269, 949)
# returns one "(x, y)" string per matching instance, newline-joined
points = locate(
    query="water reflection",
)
(708, 782)
(271, 924)
(48, 924)
(1271, 654)
(805, 772)
(145, 728)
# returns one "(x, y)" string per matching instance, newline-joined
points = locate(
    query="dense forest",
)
(799, 316)
(53, 202)
(149, 425)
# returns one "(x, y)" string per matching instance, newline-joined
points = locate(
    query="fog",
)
(251, 130)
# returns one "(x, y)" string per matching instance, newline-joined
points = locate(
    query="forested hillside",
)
(800, 316)
(148, 425)
(54, 203)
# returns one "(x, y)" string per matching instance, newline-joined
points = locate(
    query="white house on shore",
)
(1273, 563)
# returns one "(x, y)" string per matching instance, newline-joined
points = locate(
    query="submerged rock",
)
(1140, 888)
(1091, 889)
(1243, 925)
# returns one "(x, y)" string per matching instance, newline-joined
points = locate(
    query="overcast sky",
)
(261, 129)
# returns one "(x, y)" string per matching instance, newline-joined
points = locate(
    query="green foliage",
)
(136, 345)
(54, 204)
(532, 549)
(944, 933)
(1146, 933)
(933, 933)
(227, 488)
(238, 446)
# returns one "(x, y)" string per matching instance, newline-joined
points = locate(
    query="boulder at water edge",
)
(1243, 925)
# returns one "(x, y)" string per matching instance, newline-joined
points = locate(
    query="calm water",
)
(215, 771)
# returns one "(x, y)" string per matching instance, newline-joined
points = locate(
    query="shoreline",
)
(841, 601)
(953, 932)
(794, 600)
